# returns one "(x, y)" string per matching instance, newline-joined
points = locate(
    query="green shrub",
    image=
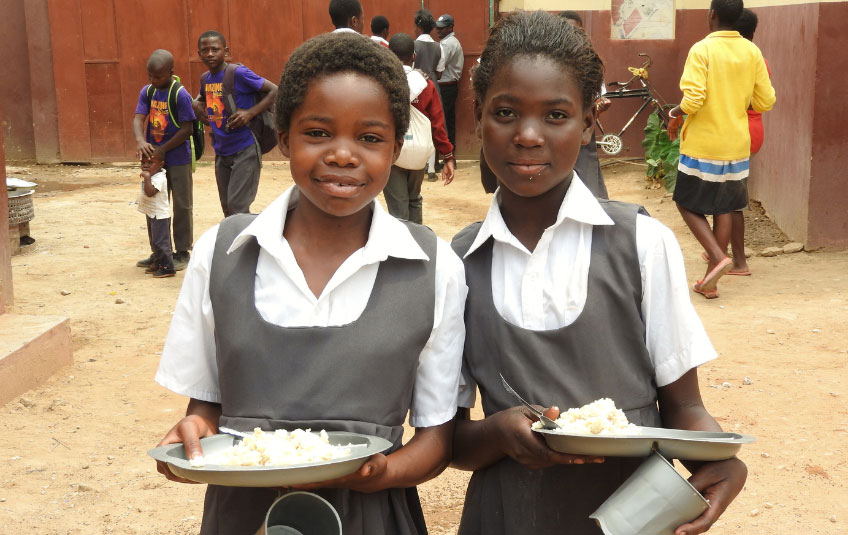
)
(661, 153)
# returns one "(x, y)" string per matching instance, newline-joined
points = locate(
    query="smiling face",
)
(212, 53)
(532, 123)
(341, 142)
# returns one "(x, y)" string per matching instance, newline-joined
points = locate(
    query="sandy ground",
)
(74, 458)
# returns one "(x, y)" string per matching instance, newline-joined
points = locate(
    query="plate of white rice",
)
(273, 458)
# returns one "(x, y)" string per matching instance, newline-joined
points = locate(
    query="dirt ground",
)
(74, 458)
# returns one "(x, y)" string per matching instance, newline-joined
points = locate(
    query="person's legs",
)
(181, 191)
(223, 172)
(737, 243)
(717, 265)
(244, 181)
(449, 94)
(396, 193)
(414, 180)
(162, 240)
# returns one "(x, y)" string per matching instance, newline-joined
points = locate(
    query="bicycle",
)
(611, 143)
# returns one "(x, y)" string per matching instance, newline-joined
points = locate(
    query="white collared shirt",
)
(546, 289)
(188, 364)
(157, 206)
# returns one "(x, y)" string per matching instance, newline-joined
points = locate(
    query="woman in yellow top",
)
(723, 75)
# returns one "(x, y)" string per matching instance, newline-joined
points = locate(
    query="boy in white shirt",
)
(153, 202)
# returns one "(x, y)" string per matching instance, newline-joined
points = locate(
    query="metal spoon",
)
(233, 432)
(547, 423)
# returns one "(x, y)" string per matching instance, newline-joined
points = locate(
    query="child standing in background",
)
(238, 159)
(289, 318)
(167, 134)
(153, 203)
(572, 298)
(403, 191)
(724, 74)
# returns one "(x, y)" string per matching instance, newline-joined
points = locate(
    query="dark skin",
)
(150, 165)
(714, 240)
(532, 123)
(160, 78)
(340, 161)
(213, 54)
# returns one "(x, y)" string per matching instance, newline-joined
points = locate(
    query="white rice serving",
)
(278, 448)
(597, 418)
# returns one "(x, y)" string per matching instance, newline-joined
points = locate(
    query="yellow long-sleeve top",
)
(724, 73)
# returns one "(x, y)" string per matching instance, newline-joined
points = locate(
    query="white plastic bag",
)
(417, 143)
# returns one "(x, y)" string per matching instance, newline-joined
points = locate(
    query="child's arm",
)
(179, 138)
(201, 420)
(421, 459)
(481, 443)
(149, 189)
(142, 147)
(681, 407)
(242, 117)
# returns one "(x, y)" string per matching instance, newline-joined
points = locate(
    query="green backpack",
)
(197, 132)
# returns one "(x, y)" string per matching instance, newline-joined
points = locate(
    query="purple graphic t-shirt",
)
(247, 85)
(160, 127)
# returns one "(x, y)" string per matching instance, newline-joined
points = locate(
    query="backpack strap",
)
(228, 85)
(172, 97)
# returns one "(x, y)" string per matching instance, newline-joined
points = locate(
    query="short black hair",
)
(333, 53)
(424, 20)
(342, 10)
(212, 33)
(379, 24)
(746, 24)
(570, 14)
(160, 59)
(727, 11)
(403, 46)
(539, 34)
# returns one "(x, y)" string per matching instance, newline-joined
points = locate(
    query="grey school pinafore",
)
(601, 354)
(356, 377)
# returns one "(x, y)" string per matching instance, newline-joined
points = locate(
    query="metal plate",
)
(269, 476)
(671, 443)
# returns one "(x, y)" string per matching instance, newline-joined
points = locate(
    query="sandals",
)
(708, 286)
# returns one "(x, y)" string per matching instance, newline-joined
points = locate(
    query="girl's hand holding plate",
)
(527, 447)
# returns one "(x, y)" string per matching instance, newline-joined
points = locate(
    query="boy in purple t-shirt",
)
(237, 155)
(171, 143)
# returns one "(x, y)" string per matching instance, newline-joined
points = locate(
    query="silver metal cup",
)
(654, 500)
(302, 513)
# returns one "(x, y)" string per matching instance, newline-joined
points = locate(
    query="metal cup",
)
(655, 499)
(302, 513)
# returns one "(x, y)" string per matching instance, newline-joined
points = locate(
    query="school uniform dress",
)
(428, 56)
(715, 143)
(157, 210)
(160, 130)
(600, 308)
(238, 159)
(384, 338)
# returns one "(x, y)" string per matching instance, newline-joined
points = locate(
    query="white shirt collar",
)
(578, 205)
(387, 236)
(425, 37)
(346, 30)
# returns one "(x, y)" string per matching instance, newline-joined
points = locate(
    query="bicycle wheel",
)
(611, 144)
